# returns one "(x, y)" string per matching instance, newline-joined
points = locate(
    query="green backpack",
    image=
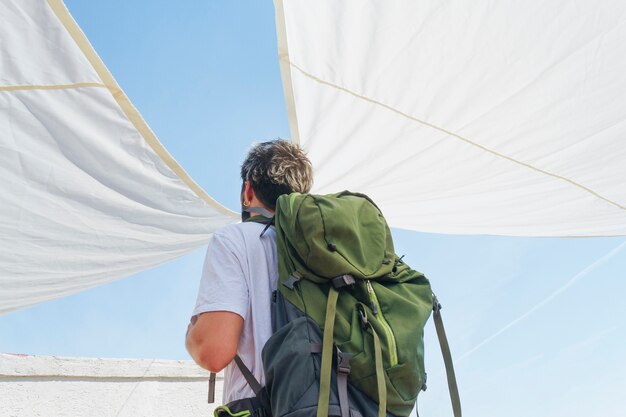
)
(348, 315)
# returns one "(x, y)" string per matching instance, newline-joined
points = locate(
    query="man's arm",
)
(212, 338)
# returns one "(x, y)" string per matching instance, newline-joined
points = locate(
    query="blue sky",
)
(204, 74)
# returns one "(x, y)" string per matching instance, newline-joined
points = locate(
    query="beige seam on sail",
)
(468, 141)
(51, 86)
(285, 70)
(58, 7)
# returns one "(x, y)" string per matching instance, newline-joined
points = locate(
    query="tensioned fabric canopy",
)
(88, 193)
(505, 119)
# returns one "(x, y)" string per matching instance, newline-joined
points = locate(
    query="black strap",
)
(262, 211)
(447, 358)
(212, 378)
(266, 217)
(259, 391)
(254, 384)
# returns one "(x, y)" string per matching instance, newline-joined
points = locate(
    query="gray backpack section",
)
(292, 360)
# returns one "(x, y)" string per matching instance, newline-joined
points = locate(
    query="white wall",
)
(48, 386)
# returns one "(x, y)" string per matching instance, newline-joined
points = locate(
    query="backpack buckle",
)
(362, 317)
(345, 280)
(436, 305)
(343, 362)
(292, 279)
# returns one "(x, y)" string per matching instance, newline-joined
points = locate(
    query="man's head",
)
(275, 168)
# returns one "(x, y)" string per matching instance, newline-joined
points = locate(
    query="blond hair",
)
(275, 168)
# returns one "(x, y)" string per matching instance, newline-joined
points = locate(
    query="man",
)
(233, 310)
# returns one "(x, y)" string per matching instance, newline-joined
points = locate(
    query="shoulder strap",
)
(247, 374)
(327, 349)
(447, 358)
(250, 379)
(265, 217)
(259, 391)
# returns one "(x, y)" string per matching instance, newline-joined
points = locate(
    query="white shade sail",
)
(88, 194)
(503, 118)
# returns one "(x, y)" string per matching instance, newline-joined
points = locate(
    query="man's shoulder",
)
(239, 232)
(238, 228)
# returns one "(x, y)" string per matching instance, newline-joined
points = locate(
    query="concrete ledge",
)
(50, 386)
(12, 365)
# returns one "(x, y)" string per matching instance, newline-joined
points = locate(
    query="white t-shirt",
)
(239, 275)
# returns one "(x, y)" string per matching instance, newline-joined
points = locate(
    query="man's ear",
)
(248, 193)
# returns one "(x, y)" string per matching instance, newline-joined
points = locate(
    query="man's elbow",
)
(213, 362)
(213, 339)
(209, 357)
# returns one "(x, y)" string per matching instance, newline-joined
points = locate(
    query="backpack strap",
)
(247, 374)
(343, 371)
(325, 368)
(212, 378)
(327, 352)
(259, 391)
(378, 362)
(265, 217)
(380, 375)
(447, 358)
(262, 211)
